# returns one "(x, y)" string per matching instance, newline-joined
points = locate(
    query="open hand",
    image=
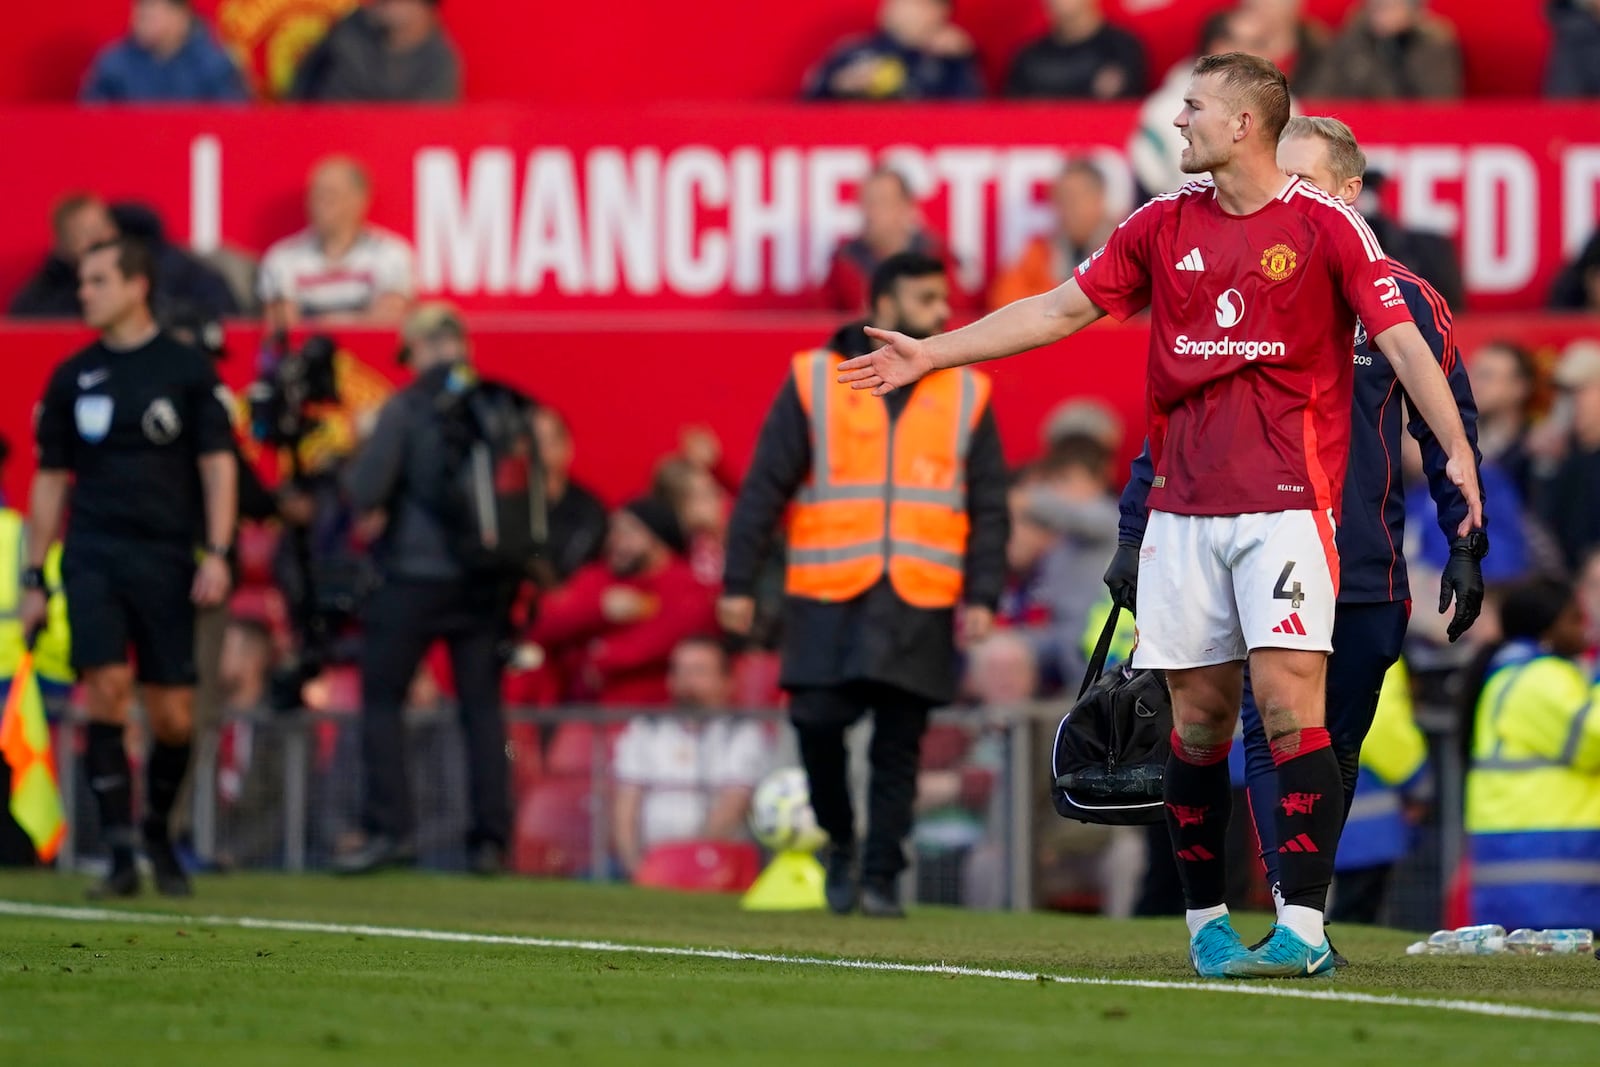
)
(901, 361)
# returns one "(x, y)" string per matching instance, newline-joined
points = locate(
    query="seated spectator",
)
(1156, 145)
(1533, 790)
(891, 222)
(1083, 57)
(1503, 379)
(1292, 41)
(183, 280)
(1432, 255)
(1574, 68)
(1063, 534)
(386, 51)
(1084, 417)
(917, 54)
(688, 776)
(79, 222)
(1565, 496)
(1577, 287)
(577, 518)
(701, 506)
(341, 267)
(1082, 225)
(169, 55)
(613, 627)
(1391, 50)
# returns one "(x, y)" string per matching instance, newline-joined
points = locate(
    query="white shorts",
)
(1214, 587)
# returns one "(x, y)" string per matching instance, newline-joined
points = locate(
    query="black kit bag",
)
(493, 501)
(1111, 748)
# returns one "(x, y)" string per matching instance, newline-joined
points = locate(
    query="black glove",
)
(1463, 581)
(1122, 577)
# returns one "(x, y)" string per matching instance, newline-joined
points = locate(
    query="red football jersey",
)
(1252, 322)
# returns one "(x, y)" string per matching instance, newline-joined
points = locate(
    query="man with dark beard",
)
(898, 516)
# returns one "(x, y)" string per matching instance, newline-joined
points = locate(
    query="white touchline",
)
(295, 926)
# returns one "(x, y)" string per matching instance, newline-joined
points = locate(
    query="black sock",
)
(1199, 798)
(164, 777)
(105, 765)
(1310, 814)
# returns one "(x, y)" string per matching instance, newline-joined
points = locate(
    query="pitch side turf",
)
(410, 969)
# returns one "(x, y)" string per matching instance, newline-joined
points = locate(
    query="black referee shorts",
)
(123, 593)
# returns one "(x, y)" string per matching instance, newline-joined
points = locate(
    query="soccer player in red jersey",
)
(1254, 282)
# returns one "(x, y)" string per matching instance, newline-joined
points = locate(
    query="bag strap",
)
(1102, 649)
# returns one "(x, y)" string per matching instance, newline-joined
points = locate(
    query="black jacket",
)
(400, 470)
(52, 293)
(877, 636)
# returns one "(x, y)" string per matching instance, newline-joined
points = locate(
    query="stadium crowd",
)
(624, 617)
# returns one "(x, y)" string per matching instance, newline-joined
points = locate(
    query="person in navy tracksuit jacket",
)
(1374, 596)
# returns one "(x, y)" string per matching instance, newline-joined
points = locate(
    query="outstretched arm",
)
(1017, 327)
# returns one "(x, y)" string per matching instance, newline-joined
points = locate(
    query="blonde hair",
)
(1345, 157)
(1257, 82)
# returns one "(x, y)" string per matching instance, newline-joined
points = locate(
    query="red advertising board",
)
(630, 386)
(738, 207)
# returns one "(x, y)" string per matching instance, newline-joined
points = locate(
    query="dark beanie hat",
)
(660, 519)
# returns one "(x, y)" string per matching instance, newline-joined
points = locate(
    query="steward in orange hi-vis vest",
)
(881, 498)
(897, 529)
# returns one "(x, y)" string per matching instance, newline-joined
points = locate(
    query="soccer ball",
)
(780, 813)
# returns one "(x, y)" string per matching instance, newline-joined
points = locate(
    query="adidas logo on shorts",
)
(1291, 625)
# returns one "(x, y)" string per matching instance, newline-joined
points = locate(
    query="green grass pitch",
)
(191, 991)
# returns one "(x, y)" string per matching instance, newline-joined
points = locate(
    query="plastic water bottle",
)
(1521, 942)
(1483, 940)
(1442, 943)
(1563, 942)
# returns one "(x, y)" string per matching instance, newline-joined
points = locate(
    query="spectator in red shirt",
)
(615, 624)
(891, 222)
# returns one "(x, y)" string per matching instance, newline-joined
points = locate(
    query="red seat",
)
(572, 749)
(258, 544)
(700, 866)
(553, 825)
(755, 680)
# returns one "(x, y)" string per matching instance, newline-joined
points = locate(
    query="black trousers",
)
(403, 618)
(1358, 895)
(821, 716)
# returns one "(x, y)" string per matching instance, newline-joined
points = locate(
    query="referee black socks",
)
(105, 765)
(164, 777)
(1310, 815)
(1199, 799)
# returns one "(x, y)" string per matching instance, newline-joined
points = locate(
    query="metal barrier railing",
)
(296, 819)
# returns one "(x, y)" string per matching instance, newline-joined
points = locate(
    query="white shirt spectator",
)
(297, 270)
(681, 763)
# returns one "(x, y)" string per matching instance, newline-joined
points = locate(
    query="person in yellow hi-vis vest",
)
(51, 653)
(1394, 759)
(1533, 790)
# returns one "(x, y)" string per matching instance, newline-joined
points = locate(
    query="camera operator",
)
(428, 592)
(134, 433)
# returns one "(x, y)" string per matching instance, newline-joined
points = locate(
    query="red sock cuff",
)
(1300, 743)
(1200, 755)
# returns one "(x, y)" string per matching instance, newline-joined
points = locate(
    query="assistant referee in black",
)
(135, 440)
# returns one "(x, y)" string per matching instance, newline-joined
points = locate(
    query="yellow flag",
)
(25, 744)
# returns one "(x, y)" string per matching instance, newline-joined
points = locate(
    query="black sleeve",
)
(990, 516)
(210, 410)
(1017, 79)
(309, 75)
(53, 430)
(375, 472)
(781, 462)
(1133, 62)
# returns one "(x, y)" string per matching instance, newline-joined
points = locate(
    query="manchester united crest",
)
(1278, 262)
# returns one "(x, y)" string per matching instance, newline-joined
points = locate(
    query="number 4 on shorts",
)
(1294, 594)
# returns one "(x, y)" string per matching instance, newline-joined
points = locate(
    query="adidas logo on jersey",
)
(1192, 261)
